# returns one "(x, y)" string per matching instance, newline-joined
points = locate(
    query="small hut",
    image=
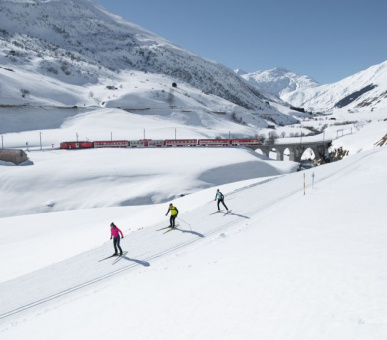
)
(13, 156)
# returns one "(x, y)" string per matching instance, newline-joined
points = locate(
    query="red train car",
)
(76, 145)
(245, 141)
(214, 142)
(181, 142)
(111, 144)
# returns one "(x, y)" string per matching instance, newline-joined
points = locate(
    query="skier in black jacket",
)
(220, 198)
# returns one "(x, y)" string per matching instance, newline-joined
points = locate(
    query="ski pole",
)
(185, 223)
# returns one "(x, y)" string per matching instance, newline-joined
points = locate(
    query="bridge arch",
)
(295, 150)
(309, 153)
(288, 154)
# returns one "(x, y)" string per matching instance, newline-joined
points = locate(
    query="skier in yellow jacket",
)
(174, 213)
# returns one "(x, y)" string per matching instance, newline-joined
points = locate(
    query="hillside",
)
(278, 81)
(36, 40)
(366, 90)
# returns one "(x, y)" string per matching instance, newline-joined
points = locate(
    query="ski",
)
(167, 227)
(120, 257)
(170, 229)
(216, 212)
(227, 212)
(163, 228)
(107, 257)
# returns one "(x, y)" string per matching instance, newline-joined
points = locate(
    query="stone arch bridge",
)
(296, 150)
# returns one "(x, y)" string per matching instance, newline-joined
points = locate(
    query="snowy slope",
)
(277, 81)
(281, 265)
(366, 90)
(126, 177)
(37, 37)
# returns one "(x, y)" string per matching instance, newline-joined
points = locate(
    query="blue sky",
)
(326, 39)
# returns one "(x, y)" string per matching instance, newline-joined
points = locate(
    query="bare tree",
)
(170, 97)
(272, 137)
(262, 138)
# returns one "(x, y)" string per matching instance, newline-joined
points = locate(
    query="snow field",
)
(284, 266)
(280, 266)
(78, 179)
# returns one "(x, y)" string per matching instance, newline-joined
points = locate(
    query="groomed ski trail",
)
(146, 245)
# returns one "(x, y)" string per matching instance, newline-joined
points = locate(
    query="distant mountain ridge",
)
(278, 81)
(364, 89)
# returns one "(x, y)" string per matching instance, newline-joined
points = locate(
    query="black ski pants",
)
(222, 203)
(172, 220)
(116, 243)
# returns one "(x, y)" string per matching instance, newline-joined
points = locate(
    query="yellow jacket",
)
(173, 210)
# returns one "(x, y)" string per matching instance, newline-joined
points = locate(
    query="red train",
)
(76, 145)
(149, 143)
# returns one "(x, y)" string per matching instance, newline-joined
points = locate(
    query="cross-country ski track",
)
(147, 245)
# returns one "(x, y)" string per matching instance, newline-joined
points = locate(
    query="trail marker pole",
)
(312, 180)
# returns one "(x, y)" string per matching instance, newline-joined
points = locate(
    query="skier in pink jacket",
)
(116, 237)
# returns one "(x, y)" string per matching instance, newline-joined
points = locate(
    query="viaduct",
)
(296, 150)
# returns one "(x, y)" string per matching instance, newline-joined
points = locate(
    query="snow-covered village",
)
(151, 193)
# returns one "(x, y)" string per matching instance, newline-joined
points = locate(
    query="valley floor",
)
(281, 265)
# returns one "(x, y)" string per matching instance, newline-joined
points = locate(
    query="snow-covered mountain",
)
(364, 90)
(77, 42)
(277, 81)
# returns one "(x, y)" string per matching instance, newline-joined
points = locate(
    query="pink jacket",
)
(115, 232)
